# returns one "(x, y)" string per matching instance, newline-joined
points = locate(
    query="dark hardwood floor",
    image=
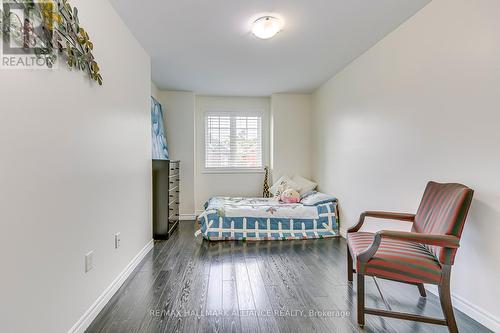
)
(189, 285)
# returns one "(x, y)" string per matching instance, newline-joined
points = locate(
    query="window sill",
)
(232, 171)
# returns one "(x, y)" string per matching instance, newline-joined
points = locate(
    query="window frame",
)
(235, 113)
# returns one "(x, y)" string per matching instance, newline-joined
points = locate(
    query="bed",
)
(254, 219)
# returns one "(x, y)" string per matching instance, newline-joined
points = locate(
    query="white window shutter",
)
(233, 140)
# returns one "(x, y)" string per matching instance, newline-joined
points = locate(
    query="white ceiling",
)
(206, 45)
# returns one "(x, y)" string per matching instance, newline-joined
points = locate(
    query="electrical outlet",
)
(117, 240)
(89, 261)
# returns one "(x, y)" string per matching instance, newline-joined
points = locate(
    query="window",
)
(233, 140)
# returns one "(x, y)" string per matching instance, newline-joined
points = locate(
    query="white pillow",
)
(314, 198)
(305, 185)
(284, 183)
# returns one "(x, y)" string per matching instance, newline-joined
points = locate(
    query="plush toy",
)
(290, 196)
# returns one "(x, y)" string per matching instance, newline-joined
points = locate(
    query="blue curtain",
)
(158, 139)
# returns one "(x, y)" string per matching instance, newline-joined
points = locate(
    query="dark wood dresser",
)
(166, 186)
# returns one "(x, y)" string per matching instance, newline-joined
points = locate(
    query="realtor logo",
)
(26, 34)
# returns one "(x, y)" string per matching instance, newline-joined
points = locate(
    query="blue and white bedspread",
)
(266, 219)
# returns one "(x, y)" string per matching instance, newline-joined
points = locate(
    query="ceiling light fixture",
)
(267, 27)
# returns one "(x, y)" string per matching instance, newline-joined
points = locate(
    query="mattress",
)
(256, 219)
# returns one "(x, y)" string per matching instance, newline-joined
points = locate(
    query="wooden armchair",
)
(424, 255)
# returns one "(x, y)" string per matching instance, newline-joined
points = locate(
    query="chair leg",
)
(421, 289)
(361, 299)
(349, 265)
(445, 298)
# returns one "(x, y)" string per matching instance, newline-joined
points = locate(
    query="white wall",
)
(155, 92)
(178, 107)
(291, 135)
(227, 184)
(75, 169)
(420, 105)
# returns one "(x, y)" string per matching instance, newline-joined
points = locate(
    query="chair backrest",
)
(443, 211)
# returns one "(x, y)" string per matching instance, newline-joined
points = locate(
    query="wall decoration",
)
(49, 28)
(158, 139)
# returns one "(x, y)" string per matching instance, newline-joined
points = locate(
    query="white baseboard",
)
(187, 217)
(84, 322)
(475, 312)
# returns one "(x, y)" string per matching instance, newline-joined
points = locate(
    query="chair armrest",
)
(447, 241)
(382, 215)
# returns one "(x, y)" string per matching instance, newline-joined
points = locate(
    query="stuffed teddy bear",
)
(290, 196)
